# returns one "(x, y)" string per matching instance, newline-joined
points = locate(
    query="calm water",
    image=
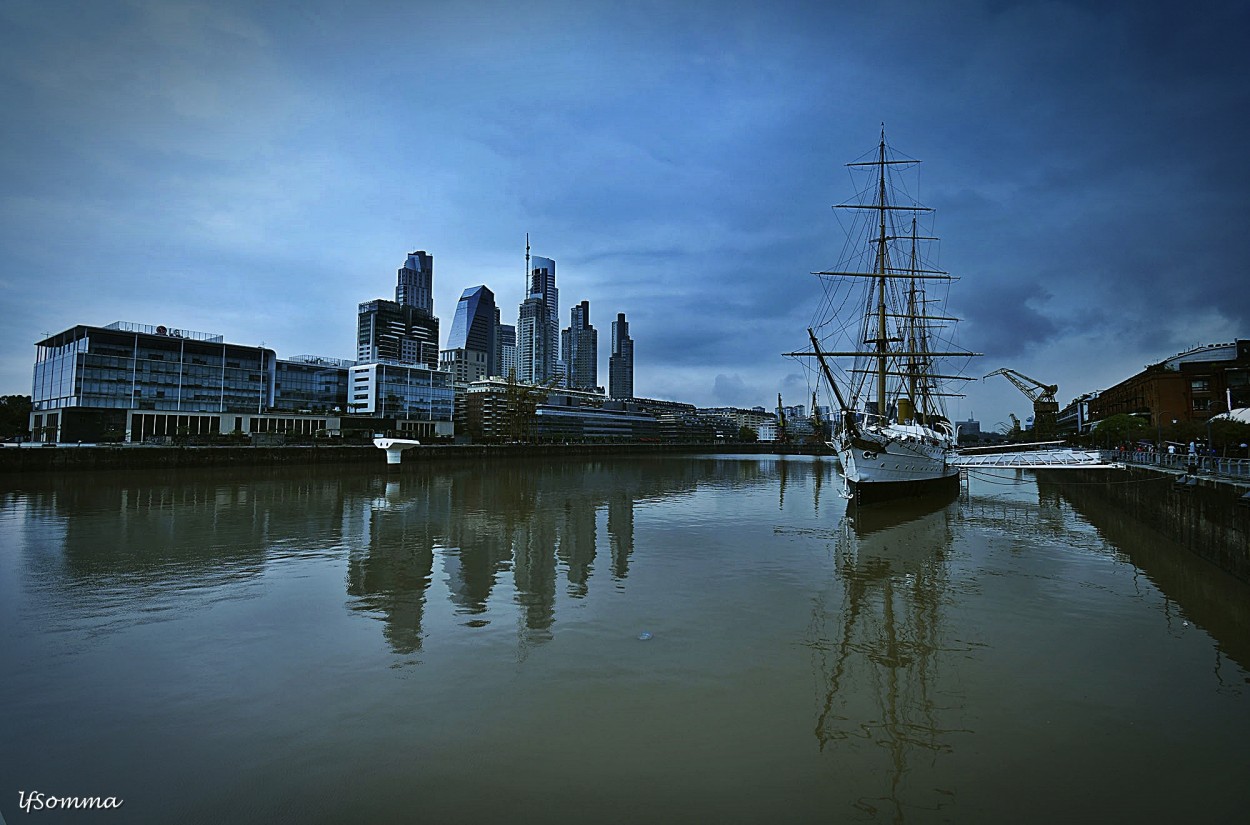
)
(711, 639)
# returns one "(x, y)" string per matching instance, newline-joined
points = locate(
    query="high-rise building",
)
(403, 331)
(474, 329)
(538, 324)
(416, 282)
(392, 332)
(621, 362)
(506, 336)
(580, 349)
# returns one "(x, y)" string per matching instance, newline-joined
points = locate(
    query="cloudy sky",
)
(256, 170)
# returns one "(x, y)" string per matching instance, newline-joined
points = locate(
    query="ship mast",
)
(913, 343)
(882, 265)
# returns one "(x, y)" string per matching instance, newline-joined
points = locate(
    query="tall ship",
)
(882, 340)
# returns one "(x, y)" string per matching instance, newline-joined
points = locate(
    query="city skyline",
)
(256, 171)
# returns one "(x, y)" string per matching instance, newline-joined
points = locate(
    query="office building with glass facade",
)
(90, 381)
(475, 329)
(311, 383)
(419, 399)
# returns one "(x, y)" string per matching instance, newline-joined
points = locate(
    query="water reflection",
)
(545, 524)
(877, 653)
(1193, 588)
(538, 521)
(159, 542)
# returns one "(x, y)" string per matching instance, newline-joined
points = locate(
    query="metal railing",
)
(1235, 468)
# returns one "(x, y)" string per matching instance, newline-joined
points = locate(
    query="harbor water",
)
(637, 639)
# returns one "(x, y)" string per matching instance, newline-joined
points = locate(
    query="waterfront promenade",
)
(1230, 469)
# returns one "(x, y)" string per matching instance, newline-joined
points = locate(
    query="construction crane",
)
(1045, 407)
(783, 435)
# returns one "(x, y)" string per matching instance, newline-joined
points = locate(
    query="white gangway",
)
(1059, 459)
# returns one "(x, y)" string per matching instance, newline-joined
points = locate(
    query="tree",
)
(15, 416)
(747, 434)
(1122, 430)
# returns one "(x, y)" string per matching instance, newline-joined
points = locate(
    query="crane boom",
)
(1045, 407)
(1031, 387)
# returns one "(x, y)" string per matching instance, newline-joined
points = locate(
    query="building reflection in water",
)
(538, 521)
(181, 530)
(877, 656)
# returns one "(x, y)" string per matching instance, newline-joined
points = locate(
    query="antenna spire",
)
(527, 265)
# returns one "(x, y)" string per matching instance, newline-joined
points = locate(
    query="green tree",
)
(1122, 429)
(14, 416)
(747, 434)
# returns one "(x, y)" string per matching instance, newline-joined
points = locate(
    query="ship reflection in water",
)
(878, 656)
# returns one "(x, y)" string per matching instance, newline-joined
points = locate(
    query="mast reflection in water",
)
(710, 638)
(887, 636)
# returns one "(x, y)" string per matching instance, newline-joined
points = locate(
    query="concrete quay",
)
(1206, 513)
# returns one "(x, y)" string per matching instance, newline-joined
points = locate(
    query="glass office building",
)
(420, 400)
(124, 366)
(97, 382)
(475, 329)
(311, 383)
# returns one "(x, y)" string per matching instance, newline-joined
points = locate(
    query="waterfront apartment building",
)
(580, 349)
(496, 410)
(621, 361)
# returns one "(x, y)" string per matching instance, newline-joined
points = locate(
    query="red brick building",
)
(1191, 386)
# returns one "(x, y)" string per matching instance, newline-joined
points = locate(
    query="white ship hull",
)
(896, 461)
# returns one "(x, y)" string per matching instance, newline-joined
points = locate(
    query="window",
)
(1200, 385)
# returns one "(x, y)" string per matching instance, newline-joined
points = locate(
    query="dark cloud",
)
(1085, 159)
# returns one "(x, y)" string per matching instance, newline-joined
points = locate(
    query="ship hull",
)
(874, 492)
(899, 461)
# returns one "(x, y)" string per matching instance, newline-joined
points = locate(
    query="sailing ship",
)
(882, 340)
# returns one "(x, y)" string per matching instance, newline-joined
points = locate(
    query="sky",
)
(257, 170)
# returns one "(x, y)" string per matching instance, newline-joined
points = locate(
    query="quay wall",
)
(1205, 515)
(84, 458)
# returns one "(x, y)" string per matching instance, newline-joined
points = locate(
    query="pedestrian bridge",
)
(1054, 459)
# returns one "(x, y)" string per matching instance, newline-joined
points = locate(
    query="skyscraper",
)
(403, 331)
(580, 349)
(621, 362)
(416, 282)
(538, 324)
(507, 349)
(474, 327)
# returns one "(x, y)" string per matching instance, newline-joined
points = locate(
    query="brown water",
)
(709, 639)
